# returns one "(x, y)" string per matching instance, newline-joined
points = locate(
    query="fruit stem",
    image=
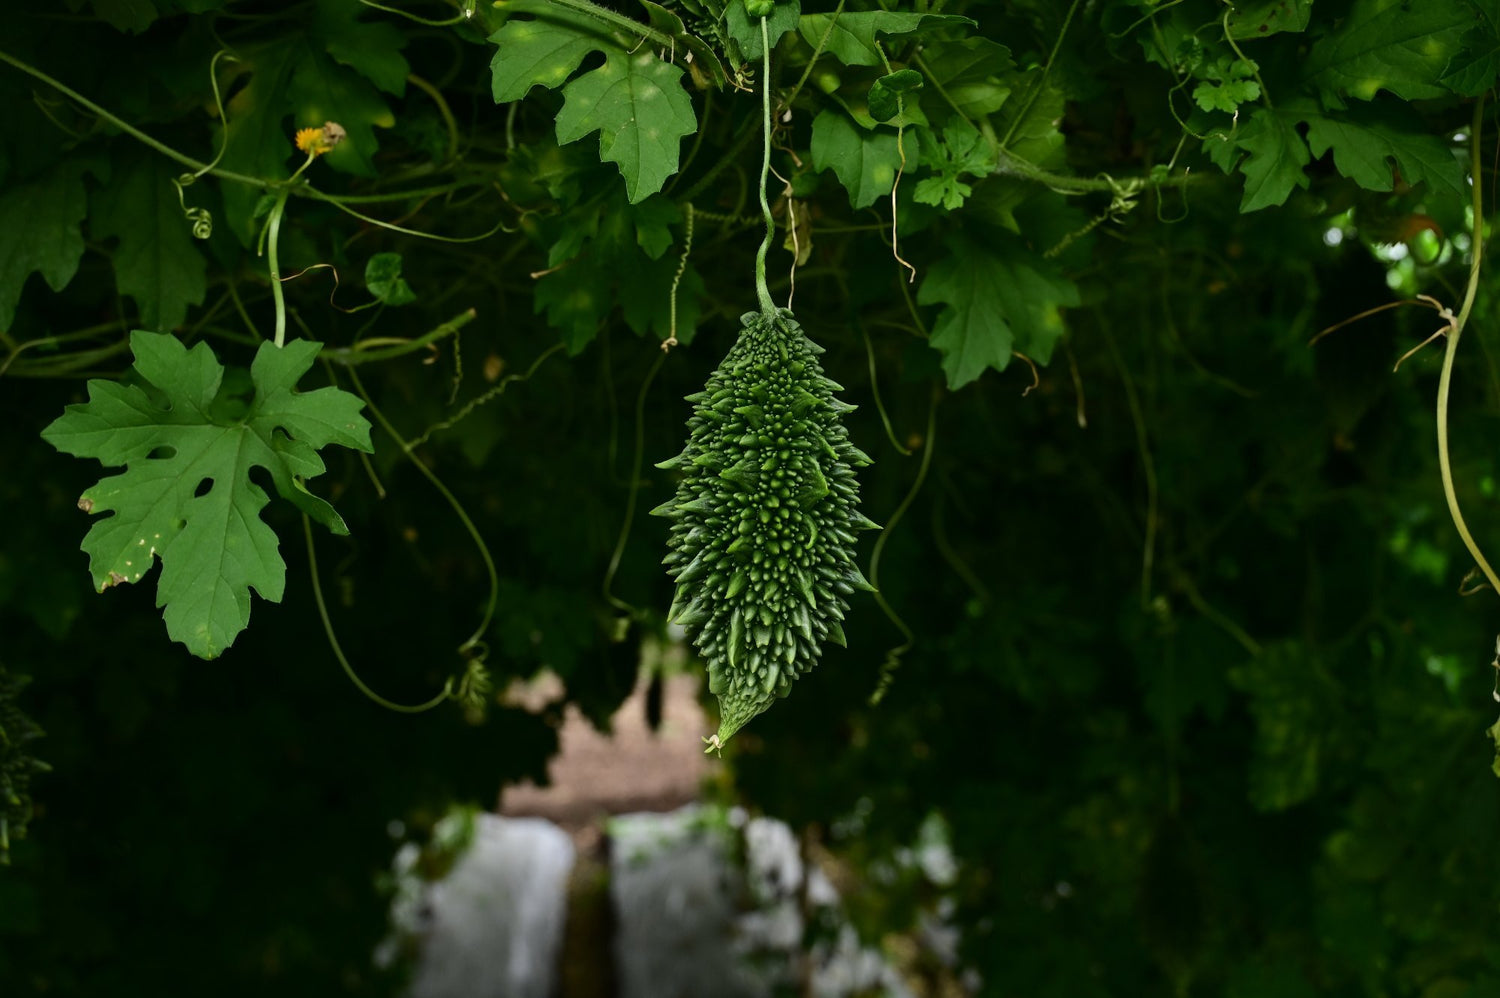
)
(761, 290)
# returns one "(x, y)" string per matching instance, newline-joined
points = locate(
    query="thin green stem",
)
(635, 488)
(1014, 166)
(134, 132)
(1148, 463)
(1445, 380)
(338, 650)
(893, 657)
(767, 306)
(415, 194)
(351, 355)
(273, 235)
(497, 227)
(494, 392)
(476, 639)
(447, 22)
(1265, 95)
(885, 419)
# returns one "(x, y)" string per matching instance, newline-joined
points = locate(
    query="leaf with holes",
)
(188, 447)
(635, 101)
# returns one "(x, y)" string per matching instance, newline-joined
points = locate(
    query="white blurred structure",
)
(694, 918)
(493, 927)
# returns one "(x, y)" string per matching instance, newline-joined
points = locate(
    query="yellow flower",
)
(317, 141)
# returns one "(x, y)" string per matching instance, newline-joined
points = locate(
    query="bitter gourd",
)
(765, 518)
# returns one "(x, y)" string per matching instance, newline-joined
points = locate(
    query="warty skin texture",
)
(765, 518)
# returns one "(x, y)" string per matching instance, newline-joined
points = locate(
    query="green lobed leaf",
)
(1227, 85)
(186, 495)
(1392, 45)
(864, 161)
(39, 234)
(544, 51)
(1226, 96)
(1366, 139)
(1277, 156)
(999, 298)
(156, 260)
(635, 101)
(852, 38)
(641, 112)
(962, 152)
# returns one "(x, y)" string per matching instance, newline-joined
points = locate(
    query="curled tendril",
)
(201, 219)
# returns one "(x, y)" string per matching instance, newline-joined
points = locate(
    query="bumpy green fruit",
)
(762, 546)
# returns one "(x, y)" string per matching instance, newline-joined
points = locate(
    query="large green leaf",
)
(186, 495)
(864, 161)
(999, 299)
(1366, 139)
(1394, 45)
(1277, 156)
(1477, 65)
(156, 263)
(635, 101)
(39, 234)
